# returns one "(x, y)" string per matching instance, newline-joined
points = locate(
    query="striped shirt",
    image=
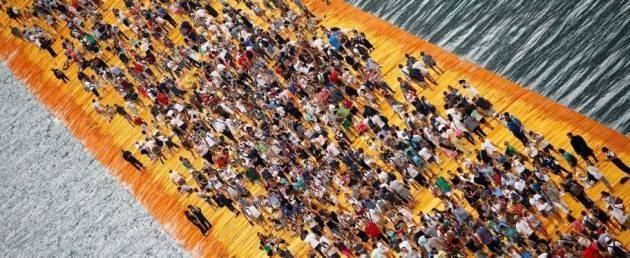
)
(471, 123)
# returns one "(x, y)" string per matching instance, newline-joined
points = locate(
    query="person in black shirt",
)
(612, 157)
(196, 211)
(195, 221)
(128, 156)
(60, 75)
(581, 147)
(223, 201)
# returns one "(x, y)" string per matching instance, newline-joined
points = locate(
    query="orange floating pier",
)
(233, 236)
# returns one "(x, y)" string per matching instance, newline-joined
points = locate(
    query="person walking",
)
(128, 156)
(224, 201)
(594, 175)
(16, 32)
(612, 157)
(431, 63)
(577, 191)
(46, 44)
(195, 221)
(569, 158)
(516, 127)
(60, 75)
(200, 217)
(581, 148)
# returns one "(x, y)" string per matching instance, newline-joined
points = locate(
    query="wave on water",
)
(57, 200)
(574, 52)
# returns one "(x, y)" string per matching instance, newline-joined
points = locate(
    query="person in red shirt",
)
(138, 67)
(373, 231)
(592, 252)
(278, 69)
(143, 91)
(162, 98)
(347, 103)
(76, 5)
(142, 69)
(223, 159)
(576, 224)
(323, 95)
(243, 61)
(138, 121)
(334, 77)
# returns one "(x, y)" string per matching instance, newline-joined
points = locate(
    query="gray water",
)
(575, 52)
(56, 200)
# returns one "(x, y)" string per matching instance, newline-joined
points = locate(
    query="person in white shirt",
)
(313, 240)
(176, 178)
(472, 91)
(488, 146)
(406, 248)
(333, 150)
(531, 150)
(426, 154)
(594, 175)
(541, 205)
(520, 185)
(380, 251)
(518, 166)
(222, 128)
(523, 228)
(101, 110)
(618, 212)
(376, 119)
(318, 43)
(424, 71)
(185, 189)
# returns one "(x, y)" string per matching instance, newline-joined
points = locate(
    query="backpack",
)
(616, 249)
(590, 224)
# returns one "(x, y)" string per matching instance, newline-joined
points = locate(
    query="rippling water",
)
(574, 52)
(56, 200)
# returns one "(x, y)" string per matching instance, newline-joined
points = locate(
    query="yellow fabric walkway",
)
(233, 236)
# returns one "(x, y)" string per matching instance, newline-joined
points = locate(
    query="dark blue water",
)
(574, 52)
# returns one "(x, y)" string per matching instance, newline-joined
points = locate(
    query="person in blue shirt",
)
(516, 127)
(166, 16)
(333, 40)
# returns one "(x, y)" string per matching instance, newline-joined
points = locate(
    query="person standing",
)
(224, 201)
(195, 221)
(581, 148)
(46, 44)
(569, 158)
(576, 190)
(516, 127)
(14, 14)
(17, 32)
(200, 217)
(60, 75)
(612, 157)
(431, 63)
(186, 163)
(221, 127)
(594, 175)
(128, 156)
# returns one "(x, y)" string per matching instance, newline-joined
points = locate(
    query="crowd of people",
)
(264, 94)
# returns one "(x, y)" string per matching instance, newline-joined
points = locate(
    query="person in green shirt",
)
(444, 185)
(509, 149)
(252, 174)
(342, 112)
(573, 162)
